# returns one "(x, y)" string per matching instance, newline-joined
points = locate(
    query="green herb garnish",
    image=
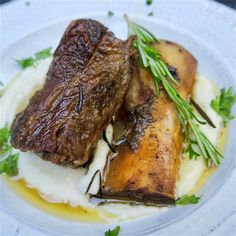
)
(152, 60)
(149, 2)
(113, 232)
(26, 62)
(33, 61)
(191, 150)
(110, 13)
(8, 160)
(187, 199)
(43, 54)
(9, 165)
(223, 104)
(27, 3)
(150, 13)
(1, 89)
(4, 136)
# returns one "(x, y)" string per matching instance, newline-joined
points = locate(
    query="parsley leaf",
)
(43, 54)
(223, 104)
(8, 160)
(33, 61)
(26, 62)
(113, 232)
(150, 13)
(9, 165)
(187, 199)
(4, 136)
(149, 2)
(110, 13)
(1, 89)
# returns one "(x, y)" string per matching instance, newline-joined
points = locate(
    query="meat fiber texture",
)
(85, 86)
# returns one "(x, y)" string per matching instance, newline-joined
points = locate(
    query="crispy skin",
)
(85, 85)
(147, 169)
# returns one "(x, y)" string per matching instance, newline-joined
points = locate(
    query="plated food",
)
(114, 122)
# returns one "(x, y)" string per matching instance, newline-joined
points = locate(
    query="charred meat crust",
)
(85, 85)
(136, 119)
(139, 195)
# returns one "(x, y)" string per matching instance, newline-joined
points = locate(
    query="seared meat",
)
(85, 85)
(147, 165)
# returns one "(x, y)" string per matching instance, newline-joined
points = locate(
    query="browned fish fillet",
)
(85, 85)
(147, 169)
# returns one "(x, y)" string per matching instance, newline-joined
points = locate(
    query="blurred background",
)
(229, 3)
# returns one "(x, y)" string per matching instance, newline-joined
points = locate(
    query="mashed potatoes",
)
(65, 185)
(192, 170)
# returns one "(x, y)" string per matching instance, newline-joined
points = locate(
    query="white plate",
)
(211, 42)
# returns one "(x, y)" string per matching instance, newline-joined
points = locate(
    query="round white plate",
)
(209, 37)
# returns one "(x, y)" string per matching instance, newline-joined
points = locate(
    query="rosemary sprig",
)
(152, 60)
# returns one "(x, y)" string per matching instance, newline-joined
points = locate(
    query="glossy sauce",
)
(57, 209)
(209, 171)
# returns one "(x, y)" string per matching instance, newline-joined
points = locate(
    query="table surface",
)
(220, 214)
